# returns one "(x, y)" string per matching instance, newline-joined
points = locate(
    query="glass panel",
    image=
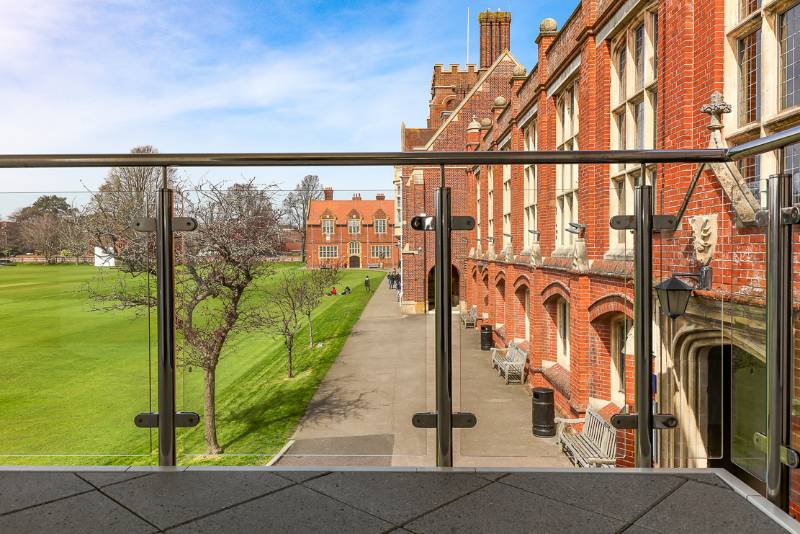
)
(77, 325)
(749, 410)
(321, 365)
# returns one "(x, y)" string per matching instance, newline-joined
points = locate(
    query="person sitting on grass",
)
(332, 292)
(346, 290)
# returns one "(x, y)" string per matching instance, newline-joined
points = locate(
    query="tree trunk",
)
(303, 246)
(310, 333)
(289, 348)
(210, 419)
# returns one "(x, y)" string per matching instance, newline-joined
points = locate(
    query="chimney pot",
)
(380, 196)
(495, 35)
(356, 196)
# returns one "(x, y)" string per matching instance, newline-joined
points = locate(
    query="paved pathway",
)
(361, 413)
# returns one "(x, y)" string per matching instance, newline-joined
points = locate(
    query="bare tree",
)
(314, 284)
(282, 314)
(126, 194)
(238, 229)
(40, 234)
(297, 203)
(73, 236)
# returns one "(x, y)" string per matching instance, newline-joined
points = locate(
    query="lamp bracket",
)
(703, 277)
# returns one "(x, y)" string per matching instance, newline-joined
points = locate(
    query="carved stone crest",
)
(704, 230)
(715, 108)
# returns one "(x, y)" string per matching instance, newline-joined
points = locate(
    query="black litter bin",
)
(543, 412)
(486, 337)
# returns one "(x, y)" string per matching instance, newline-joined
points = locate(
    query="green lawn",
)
(71, 379)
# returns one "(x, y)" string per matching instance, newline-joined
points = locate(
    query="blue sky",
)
(247, 76)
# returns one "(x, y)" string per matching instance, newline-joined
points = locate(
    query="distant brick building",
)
(544, 268)
(291, 241)
(353, 233)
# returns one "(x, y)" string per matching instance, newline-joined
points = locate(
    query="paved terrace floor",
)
(361, 413)
(365, 501)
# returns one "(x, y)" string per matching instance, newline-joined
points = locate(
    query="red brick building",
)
(544, 268)
(352, 233)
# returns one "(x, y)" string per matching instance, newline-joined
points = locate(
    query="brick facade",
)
(594, 279)
(344, 233)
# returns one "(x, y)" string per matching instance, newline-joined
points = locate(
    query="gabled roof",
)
(478, 84)
(341, 210)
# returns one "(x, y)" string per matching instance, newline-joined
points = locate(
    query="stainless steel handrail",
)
(708, 155)
(777, 282)
(362, 158)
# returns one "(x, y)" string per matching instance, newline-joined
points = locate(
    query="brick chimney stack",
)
(380, 196)
(328, 191)
(495, 35)
(356, 196)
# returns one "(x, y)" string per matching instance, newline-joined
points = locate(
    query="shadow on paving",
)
(361, 413)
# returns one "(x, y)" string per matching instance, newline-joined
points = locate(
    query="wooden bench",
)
(373, 265)
(594, 446)
(513, 367)
(471, 318)
(509, 362)
(499, 354)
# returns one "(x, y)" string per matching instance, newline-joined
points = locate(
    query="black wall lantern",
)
(673, 293)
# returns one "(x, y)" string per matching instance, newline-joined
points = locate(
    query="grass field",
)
(72, 379)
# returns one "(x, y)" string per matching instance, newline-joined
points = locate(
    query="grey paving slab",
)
(698, 508)
(622, 496)
(710, 478)
(490, 475)
(295, 509)
(502, 508)
(300, 476)
(168, 499)
(396, 497)
(106, 478)
(636, 529)
(23, 489)
(85, 513)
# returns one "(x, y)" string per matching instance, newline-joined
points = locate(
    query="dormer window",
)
(380, 226)
(327, 227)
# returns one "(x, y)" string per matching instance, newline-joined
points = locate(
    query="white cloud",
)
(82, 77)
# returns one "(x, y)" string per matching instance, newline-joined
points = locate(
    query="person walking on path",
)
(367, 287)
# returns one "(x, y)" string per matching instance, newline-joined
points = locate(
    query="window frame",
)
(633, 117)
(328, 221)
(530, 189)
(328, 252)
(567, 175)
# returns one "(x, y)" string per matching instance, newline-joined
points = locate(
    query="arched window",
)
(354, 248)
(620, 347)
(562, 336)
(523, 295)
